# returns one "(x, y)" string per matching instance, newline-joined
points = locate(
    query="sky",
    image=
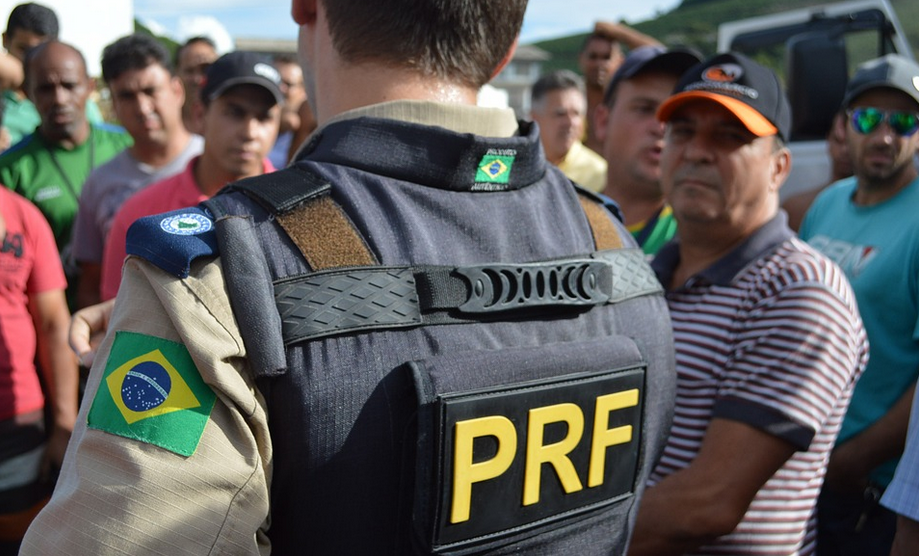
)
(270, 19)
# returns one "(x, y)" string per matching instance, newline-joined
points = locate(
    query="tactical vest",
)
(453, 360)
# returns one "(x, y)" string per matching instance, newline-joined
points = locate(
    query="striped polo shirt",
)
(769, 336)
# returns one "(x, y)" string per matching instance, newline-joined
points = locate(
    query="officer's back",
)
(435, 344)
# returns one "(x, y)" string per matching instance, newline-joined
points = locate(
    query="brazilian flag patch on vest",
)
(152, 392)
(494, 168)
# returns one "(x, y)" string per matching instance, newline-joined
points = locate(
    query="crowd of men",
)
(328, 305)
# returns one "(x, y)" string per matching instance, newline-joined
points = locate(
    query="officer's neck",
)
(359, 85)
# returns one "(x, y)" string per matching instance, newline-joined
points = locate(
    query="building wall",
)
(518, 76)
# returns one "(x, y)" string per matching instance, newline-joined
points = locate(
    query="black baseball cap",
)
(751, 92)
(651, 58)
(238, 68)
(891, 72)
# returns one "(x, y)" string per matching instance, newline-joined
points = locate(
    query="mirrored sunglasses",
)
(866, 119)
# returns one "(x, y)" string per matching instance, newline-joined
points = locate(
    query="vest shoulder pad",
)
(172, 240)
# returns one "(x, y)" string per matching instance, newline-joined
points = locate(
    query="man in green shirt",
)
(49, 166)
(28, 26)
(633, 139)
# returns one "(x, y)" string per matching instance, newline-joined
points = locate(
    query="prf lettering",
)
(466, 473)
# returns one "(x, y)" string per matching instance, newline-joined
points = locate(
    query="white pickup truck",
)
(815, 50)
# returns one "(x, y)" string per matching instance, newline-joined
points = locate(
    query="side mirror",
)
(817, 67)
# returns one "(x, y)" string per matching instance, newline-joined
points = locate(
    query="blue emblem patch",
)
(172, 241)
(186, 224)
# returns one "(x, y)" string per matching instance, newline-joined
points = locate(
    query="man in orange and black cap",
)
(767, 335)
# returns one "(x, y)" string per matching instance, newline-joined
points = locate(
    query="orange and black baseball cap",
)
(751, 92)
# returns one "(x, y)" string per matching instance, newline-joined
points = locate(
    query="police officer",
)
(420, 338)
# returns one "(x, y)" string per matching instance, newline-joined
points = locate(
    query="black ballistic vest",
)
(451, 366)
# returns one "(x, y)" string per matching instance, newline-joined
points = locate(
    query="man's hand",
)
(852, 461)
(624, 34)
(59, 370)
(54, 451)
(847, 470)
(906, 543)
(87, 330)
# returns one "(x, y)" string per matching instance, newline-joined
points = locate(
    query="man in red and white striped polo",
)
(768, 338)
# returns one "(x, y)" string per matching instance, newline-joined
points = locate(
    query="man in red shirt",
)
(239, 114)
(33, 320)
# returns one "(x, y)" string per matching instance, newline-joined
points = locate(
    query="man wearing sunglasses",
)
(869, 224)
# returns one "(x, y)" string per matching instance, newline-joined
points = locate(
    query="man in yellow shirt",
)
(559, 108)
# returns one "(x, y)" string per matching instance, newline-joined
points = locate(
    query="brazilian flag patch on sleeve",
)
(151, 391)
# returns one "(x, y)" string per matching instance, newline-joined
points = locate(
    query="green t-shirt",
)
(662, 229)
(33, 168)
(20, 117)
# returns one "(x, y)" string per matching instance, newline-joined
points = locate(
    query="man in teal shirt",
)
(869, 225)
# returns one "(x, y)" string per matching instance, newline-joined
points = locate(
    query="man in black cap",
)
(239, 114)
(767, 334)
(632, 139)
(868, 224)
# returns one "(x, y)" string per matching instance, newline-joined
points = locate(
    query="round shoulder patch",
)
(186, 224)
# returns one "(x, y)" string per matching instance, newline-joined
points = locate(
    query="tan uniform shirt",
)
(119, 495)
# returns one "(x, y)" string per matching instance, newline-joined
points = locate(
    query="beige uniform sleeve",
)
(117, 495)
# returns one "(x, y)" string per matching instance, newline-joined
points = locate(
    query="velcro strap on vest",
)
(302, 204)
(605, 234)
(376, 298)
(325, 235)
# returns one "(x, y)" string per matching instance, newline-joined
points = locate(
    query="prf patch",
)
(520, 458)
(151, 391)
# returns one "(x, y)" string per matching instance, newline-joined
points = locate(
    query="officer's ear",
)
(507, 57)
(303, 11)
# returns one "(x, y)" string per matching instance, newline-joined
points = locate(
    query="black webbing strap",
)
(376, 298)
(329, 302)
(303, 206)
(248, 281)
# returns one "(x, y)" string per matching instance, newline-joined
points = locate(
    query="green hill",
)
(695, 23)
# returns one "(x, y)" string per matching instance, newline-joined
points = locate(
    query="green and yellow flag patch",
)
(151, 391)
(494, 169)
